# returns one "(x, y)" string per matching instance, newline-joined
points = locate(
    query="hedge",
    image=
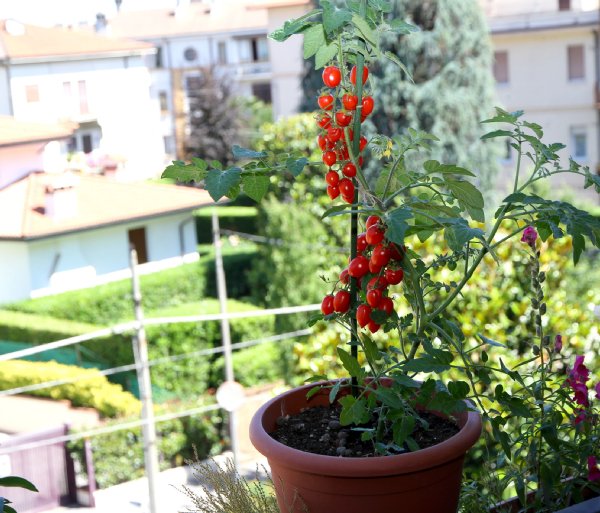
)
(119, 456)
(253, 365)
(239, 219)
(94, 391)
(110, 303)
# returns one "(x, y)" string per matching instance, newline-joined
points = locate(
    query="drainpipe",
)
(597, 93)
(182, 235)
(6, 65)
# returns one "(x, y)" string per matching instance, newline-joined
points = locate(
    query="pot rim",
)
(450, 449)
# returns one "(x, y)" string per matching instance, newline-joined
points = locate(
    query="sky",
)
(70, 12)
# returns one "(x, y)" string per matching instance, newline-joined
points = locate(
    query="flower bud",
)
(543, 308)
(558, 343)
(536, 350)
(542, 277)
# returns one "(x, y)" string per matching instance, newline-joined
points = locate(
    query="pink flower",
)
(581, 393)
(581, 417)
(580, 372)
(529, 236)
(593, 470)
(597, 389)
(558, 343)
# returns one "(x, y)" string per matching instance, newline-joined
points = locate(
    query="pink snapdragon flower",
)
(558, 343)
(581, 417)
(593, 470)
(529, 236)
(578, 376)
(597, 389)
(579, 372)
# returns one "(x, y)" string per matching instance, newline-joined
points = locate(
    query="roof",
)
(271, 4)
(14, 132)
(100, 202)
(194, 18)
(22, 41)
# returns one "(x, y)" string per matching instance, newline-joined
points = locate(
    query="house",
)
(547, 61)
(228, 36)
(57, 74)
(67, 230)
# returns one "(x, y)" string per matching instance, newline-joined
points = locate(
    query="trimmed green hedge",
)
(94, 391)
(253, 365)
(119, 456)
(112, 302)
(239, 219)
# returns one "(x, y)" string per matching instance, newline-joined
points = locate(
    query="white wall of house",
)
(14, 278)
(112, 92)
(18, 161)
(512, 7)
(101, 255)
(5, 108)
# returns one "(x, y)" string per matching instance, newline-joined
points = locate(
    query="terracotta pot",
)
(425, 481)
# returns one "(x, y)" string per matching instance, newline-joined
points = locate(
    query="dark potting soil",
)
(318, 430)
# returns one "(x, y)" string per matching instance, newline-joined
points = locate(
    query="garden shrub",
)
(236, 267)
(253, 365)
(94, 391)
(110, 303)
(119, 456)
(239, 219)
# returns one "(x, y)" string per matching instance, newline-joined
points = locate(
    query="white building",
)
(54, 75)
(547, 63)
(229, 36)
(61, 231)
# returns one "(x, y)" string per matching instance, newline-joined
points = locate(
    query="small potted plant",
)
(396, 430)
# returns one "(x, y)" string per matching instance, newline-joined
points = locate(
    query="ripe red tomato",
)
(397, 251)
(394, 276)
(349, 170)
(361, 242)
(372, 221)
(334, 134)
(350, 101)
(362, 143)
(326, 102)
(344, 153)
(343, 118)
(360, 161)
(346, 187)
(332, 178)
(387, 305)
(327, 305)
(358, 267)
(377, 282)
(365, 75)
(324, 121)
(374, 235)
(374, 297)
(373, 267)
(344, 278)
(330, 158)
(373, 327)
(348, 198)
(332, 76)
(341, 301)
(333, 191)
(380, 255)
(363, 315)
(368, 104)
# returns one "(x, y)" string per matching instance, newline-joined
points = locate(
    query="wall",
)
(512, 7)
(5, 108)
(18, 161)
(14, 278)
(118, 98)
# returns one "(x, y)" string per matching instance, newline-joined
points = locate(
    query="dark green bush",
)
(240, 219)
(119, 456)
(253, 365)
(111, 303)
(237, 267)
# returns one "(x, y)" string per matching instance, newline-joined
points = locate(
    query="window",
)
(262, 91)
(87, 143)
(222, 52)
(32, 93)
(576, 62)
(83, 100)
(501, 67)
(579, 142)
(163, 100)
(190, 54)
(72, 145)
(564, 5)
(254, 49)
(159, 57)
(137, 241)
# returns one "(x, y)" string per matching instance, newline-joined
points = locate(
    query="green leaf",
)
(503, 116)
(425, 364)
(325, 54)
(219, 183)
(17, 482)
(459, 389)
(354, 411)
(296, 166)
(489, 341)
(334, 391)
(255, 186)
(397, 225)
(194, 172)
(496, 133)
(364, 28)
(394, 58)
(334, 17)
(433, 166)
(468, 195)
(334, 210)
(458, 234)
(371, 349)
(314, 38)
(402, 27)
(381, 5)
(403, 429)
(294, 26)
(245, 153)
(349, 362)
(313, 391)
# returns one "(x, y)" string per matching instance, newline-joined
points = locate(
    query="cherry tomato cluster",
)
(333, 119)
(376, 267)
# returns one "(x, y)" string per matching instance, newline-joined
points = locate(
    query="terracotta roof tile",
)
(100, 202)
(22, 41)
(195, 18)
(18, 132)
